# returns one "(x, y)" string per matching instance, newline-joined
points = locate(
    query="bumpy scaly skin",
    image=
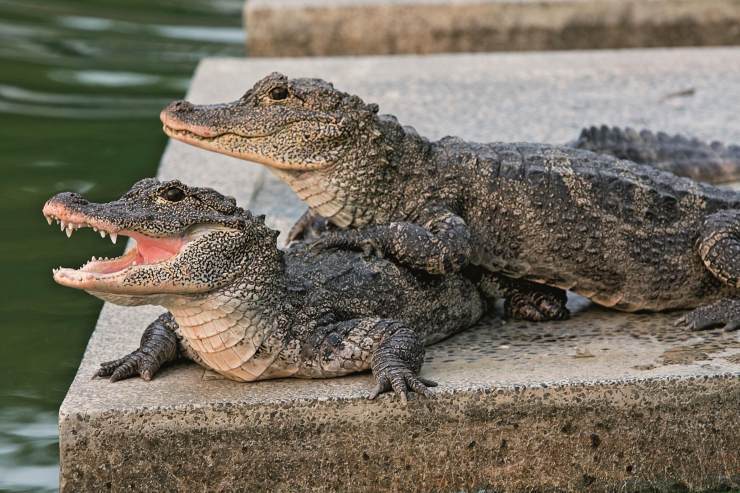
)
(264, 313)
(620, 233)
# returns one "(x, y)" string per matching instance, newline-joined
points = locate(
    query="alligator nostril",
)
(182, 105)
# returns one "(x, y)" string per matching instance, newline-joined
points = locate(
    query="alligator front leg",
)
(392, 350)
(719, 249)
(525, 300)
(159, 345)
(440, 246)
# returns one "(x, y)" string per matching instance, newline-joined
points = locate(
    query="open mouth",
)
(146, 250)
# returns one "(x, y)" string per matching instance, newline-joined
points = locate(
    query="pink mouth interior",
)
(148, 250)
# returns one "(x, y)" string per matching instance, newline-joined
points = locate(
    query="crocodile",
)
(240, 306)
(542, 218)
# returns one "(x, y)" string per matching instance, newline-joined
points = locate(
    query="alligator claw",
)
(722, 314)
(135, 363)
(308, 226)
(532, 311)
(371, 248)
(317, 246)
(401, 381)
(297, 232)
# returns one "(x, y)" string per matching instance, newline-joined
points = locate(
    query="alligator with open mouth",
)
(249, 311)
(543, 218)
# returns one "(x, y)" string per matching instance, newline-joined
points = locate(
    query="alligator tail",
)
(682, 156)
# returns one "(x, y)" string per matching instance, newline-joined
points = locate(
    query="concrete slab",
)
(360, 27)
(601, 402)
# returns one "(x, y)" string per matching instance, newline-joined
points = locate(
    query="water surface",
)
(81, 86)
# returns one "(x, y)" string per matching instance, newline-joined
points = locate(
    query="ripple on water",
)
(79, 186)
(81, 82)
(28, 450)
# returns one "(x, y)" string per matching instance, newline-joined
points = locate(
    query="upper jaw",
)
(70, 220)
(109, 274)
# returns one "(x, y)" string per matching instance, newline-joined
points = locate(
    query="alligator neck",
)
(360, 188)
(235, 330)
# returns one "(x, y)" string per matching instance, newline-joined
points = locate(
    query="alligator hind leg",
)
(159, 345)
(719, 248)
(392, 350)
(525, 300)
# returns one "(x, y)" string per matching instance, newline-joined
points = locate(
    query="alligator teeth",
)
(62, 226)
(49, 220)
(69, 230)
(102, 233)
(95, 229)
(113, 238)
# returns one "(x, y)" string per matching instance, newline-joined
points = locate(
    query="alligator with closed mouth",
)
(240, 306)
(543, 218)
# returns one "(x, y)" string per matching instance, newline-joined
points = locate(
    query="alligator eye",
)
(278, 93)
(173, 194)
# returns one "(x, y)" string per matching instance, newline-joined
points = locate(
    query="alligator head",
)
(298, 124)
(333, 150)
(187, 240)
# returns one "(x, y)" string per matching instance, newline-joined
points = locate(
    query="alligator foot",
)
(158, 346)
(537, 306)
(396, 364)
(724, 313)
(401, 381)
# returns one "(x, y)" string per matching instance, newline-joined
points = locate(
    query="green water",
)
(81, 86)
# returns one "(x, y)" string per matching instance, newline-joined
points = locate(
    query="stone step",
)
(603, 401)
(380, 27)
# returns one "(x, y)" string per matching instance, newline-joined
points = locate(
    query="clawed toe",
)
(723, 314)
(317, 246)
(372, 248)
(537, 312)
(402, 381)
(136, 363)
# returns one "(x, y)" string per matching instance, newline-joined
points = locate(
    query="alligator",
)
(542, 218)
(240, 306)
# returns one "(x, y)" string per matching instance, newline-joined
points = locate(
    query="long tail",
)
(682, 156)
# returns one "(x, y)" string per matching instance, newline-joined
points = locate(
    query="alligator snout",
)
(185, 116)
(180, 105)
(169, 114)
(68, 199)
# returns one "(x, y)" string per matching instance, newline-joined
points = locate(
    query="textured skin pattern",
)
(264, 313)
(690, 157)
(620, 233)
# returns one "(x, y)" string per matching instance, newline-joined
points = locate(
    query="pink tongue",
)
(154, 250)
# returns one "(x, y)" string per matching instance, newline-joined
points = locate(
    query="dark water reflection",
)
(81, 85)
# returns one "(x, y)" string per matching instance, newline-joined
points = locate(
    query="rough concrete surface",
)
(604, 401)
(354, 27)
